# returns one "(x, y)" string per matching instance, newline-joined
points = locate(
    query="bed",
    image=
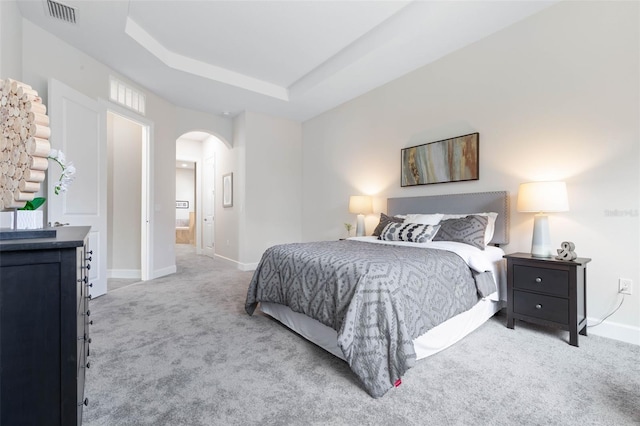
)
(364, 299)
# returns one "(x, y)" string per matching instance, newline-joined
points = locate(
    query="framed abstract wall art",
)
(450, 160)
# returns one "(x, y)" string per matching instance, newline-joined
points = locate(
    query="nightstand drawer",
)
(540, 306)
(550, 281)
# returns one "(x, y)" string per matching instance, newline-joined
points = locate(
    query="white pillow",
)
(424, 219)
(491, 225)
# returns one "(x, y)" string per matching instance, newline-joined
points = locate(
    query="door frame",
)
(147, 196)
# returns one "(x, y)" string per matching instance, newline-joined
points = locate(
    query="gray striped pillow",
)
(412, 232)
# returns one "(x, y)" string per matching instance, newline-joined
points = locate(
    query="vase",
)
(27, 219)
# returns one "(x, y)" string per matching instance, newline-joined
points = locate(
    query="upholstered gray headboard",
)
(496, 201)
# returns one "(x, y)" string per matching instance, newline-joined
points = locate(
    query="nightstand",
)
(548, 291)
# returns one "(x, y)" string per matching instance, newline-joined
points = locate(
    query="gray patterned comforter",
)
(377, 297)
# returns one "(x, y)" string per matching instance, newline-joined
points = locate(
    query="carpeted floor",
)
(117, 283)
(180, 350)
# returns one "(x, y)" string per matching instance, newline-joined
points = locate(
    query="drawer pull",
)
(538, 306)
(85, 402)
(88, 365)
(88, 267)
(538, 280)
(85, 338)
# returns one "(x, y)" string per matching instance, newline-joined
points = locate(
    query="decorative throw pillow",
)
(384, 221)
(491, 225)
(485, 284)
(411, 232)
(469, 230)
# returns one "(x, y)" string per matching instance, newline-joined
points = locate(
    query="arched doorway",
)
(195, 212)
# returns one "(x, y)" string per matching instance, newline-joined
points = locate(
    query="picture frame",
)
(449, 160)
(182, 204)
(227, 190)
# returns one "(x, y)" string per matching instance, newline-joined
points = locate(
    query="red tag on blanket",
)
(397, 383)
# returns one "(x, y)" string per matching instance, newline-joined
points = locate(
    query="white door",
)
(208, 192)
(77, 130)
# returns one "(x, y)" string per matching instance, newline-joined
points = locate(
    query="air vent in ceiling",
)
(61, 11)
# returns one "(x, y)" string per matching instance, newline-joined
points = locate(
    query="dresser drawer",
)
(549, 281)
(540, 306)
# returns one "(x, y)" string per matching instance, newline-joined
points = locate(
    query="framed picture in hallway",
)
(227, 190)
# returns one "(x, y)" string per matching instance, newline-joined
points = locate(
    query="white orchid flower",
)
(68, 171)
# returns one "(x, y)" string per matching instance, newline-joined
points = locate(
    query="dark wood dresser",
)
(548, 291)
(44, 328)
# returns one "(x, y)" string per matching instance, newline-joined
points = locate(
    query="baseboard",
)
(238, 265)
(615, 331)
(248, 266)
(124, 273)
(163, 272)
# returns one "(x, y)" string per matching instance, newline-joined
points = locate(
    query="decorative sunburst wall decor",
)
(24, 143)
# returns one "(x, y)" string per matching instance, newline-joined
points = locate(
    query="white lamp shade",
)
(542, 197)
(360, 204)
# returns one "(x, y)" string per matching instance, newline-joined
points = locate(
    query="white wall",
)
(10, 41)
(227, 220)
(189, 120)
(124, 199)
(553, 97)
(267, 191)
(273, 189)
(188, 149)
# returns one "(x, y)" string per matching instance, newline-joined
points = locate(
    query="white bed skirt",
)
(432, 342)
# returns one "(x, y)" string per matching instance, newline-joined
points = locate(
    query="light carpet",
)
(180, 350)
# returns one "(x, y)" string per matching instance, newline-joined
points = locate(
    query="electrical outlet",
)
(625, 285)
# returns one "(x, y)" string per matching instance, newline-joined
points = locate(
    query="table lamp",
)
(541, 198)
(360, 205)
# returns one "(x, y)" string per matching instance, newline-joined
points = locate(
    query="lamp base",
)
(541, 241)
(360, 231)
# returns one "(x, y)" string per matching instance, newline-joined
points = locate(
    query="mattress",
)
(436, 339)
